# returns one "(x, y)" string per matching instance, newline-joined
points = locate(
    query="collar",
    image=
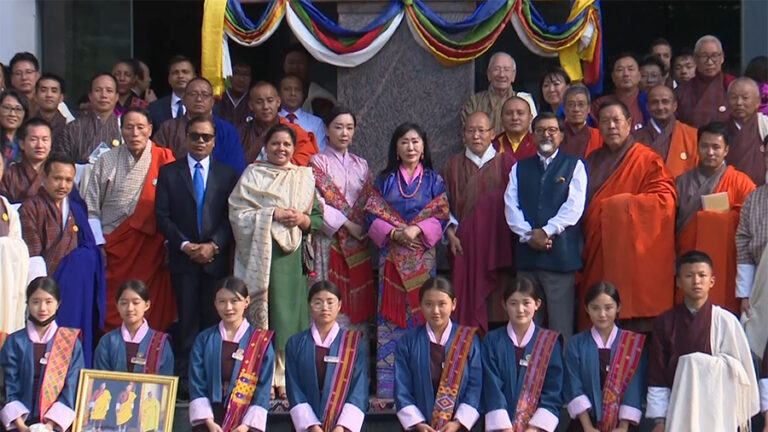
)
(690, 308)
(205, 162)
(509, 94)
(174, 100)
(599, 340)
(238, 334)
(526, 338)
(335, 328)
(479, 161)
(298, 112)
(443, 338)
(236, 103)
(656, 126)
(337, 154)
(515, 141)
(47, 336)
(140, 333)
(547, 160)
(408, 178)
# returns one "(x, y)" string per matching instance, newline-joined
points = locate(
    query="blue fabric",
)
(17, 360)
(197, 184)
(582, 375)
(483, 12)
(431, 186)
(553, 30)
(329, 26)
(242, 20)
(110, 354)
(597, 88)
(82, 280)
(228, 149)
(642, 100)
(413, 381)
(502, 384)
(179, 108)
(205, 369)
(301, 374)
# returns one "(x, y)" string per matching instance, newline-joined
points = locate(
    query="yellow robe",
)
(101, 406)
(150, 414)
(125, 412)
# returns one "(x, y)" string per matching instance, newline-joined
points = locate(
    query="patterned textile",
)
(450, 379)
(56, 368)
(534, 379)
(341, 379)
(20, 181)
(752, 232)
(491, 104)
(83, 135)
(702, 100)
(155, 352)
(41, 227)
(387, 335)
(629, 349)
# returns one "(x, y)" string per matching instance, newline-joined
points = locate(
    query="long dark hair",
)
(392, 162)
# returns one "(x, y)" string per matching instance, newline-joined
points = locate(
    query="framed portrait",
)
(124, 402)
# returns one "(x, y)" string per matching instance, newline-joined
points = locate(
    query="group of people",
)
(140, 204)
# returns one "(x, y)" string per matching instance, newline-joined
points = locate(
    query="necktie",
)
(291, 117)
(197, 182)
(179, 108)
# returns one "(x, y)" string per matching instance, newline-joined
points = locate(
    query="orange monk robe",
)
(676, 144)
(629, 228)
(714, 233)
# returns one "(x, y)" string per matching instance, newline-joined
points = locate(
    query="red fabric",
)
(582, 142)
(526, 148)
(631, 101)
(702, 100)
(135, 249)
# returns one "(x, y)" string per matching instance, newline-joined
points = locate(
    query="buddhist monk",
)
(672, 139)
(712, 229)
(516, 138)
(702, 99)
(626, 77)
(579, 139)
(629, 222)
(747, 129)
(23, 179)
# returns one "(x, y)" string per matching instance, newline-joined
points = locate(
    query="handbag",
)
(308, 256)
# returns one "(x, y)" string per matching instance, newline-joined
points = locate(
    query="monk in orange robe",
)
(629, 223)
(516, 139)
(712, 231)
(579, 139)
(672, 139)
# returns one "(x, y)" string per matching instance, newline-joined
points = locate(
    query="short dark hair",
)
(337, 111)
(602, 287)
(323, 285)
(46, 284)
(757, 69)
(198, 78)
(136, 110)
(99, 75)
(524, 286)
(130, 62)
(553, 72)
(547, 115)
(134, 285)
(24, 56)
(234, 285)
(683, 52)
(51, 77)
(624, 54)
(653, 59)
(286, 76)
(57, 157)
(437, 283)
(660, 41)
(715, 128)
(613, 102)
(296, 47)
(279, 128)
(11, 92)
(21, 134)
(575, 89)
(137, 68)
(693, 257)
(199, 119)
(181, 59)
(242, 64)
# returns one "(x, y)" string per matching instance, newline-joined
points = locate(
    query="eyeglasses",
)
(7, 109)
(19, 73)
(203, 96)
(194, 136)
(546, 131)
(572, 105)
(318, 305)
(473, 131)
(714, 57)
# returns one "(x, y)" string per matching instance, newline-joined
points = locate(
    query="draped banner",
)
(577, 42)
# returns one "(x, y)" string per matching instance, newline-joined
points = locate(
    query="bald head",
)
(501, 72)
(661, 104)
(264, 103)
(743, 99)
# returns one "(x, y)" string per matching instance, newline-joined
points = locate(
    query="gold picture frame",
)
(99, 407)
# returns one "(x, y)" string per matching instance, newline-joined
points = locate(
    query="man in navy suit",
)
(192, 213)
(180, 72)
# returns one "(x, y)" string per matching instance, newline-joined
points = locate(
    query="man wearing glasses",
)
(198, 101)
(543, 204)
(703, 99)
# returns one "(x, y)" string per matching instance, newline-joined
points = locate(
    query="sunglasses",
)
(196, 136)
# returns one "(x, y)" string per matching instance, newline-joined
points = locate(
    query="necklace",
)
(400, 186)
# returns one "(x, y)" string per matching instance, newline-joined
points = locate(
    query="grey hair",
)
(707, 38)
(498, 54)
(575, 89)
(748, 81)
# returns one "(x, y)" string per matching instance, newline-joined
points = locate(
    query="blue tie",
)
(179, 108)
(197, 182)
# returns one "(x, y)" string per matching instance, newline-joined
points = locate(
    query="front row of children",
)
(444, 376)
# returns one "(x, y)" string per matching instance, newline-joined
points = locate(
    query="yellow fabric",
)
(213, 32)
(100, 406)
(125, 412)
(515, 143)
(150, 414)
(577, 7)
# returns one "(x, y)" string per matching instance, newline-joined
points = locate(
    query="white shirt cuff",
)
(497, 419)
(303, 417)
(410, 416)
(60, 414)
(351, 418)
(256, 418)
(630, 414)
(10, 412)
(763, 386)
(199, 411)
(543, 419)
(658, 402)
(578, 405)
(98, 234)
(37, 268)
(184, 243)
(551, 230)
(745, 277)
(466, 415)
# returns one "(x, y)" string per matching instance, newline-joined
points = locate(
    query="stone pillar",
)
(404, 82)
(754, 33)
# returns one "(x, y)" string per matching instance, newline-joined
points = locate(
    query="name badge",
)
(238, 355)
(44, 359)
(139, 360)
(524, 361)
(331, 359)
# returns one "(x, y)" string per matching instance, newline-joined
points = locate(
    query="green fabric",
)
(288, 307)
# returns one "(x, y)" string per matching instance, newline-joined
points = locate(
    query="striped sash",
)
(536, 371)
(247, 378)
(55, 373)
(450, 379)
(342, 377)
(155, 352)
(623, 365)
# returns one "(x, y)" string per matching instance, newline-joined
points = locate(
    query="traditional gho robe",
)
(606, 379)
(522, 380)
(703, 100)
(25, 377)
(634, 101)
(491, 103)
(343, 185)
(752, 268)
(217, 364)
(99, 404)
(327, 380)
(582, 142)
(503, 144)
(121, 205)
(437, 381)
(744, 152)
(49, 230)
(709, 231)
(476, 188)
(124, 407)
(700, 371)
(14, 264)
(148, 351)
(400, 199)
(227, 150)
(676, 143)
(133, 100)
(252, 139)
(234, 111)
(150, 415)
(624, 188)
(20, 181)
(82, 136)
(58, 124)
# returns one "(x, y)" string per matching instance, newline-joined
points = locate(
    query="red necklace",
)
(400, 186)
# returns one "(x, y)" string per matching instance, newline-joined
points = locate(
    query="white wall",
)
(18, 28)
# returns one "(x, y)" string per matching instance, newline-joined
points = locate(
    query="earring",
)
(422, 156)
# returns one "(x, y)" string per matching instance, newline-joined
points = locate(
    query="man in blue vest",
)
(543, 204)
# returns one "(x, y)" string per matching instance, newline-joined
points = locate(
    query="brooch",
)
(721, 108)
(560, 180)
(115, 143)
(5, 217)
(683, 156)
(75, 228)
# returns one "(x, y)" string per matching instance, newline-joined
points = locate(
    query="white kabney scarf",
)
(756, 325)
(14, 265)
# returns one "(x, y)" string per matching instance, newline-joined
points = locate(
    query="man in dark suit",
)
(180, 72)
(192, 213)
